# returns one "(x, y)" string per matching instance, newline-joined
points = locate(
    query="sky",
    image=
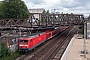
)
(65, 6)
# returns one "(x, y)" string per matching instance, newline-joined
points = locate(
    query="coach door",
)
(31, 43)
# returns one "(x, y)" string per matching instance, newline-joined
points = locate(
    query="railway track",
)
(38, 49)
(53, 49)
(57, 52)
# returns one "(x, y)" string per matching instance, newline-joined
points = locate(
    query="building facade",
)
(36, 12)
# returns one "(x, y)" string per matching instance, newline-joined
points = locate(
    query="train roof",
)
(32, 35)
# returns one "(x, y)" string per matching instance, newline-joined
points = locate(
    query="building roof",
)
(38, 10)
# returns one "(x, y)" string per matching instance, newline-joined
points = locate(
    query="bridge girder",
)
(37, 19)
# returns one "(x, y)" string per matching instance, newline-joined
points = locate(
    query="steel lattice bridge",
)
(44, 21)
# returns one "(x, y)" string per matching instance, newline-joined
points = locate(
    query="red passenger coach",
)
(30, 42)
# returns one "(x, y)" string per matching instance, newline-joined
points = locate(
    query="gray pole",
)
(20, 31)
(85, 39)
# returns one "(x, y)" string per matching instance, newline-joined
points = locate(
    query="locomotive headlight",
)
(20, 45)
(23, 45)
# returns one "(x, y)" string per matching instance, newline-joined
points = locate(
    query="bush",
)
(81, 29)
(11, 57)
(5, 53)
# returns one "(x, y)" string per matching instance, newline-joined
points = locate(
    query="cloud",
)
(37, 2)
(1, 0)
(69, 3)
(67, 6)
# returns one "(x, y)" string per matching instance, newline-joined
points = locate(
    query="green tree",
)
(89, 17)
(45, 12)
(15, 9)
(1, 10)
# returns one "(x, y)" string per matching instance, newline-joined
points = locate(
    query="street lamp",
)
(85, 51)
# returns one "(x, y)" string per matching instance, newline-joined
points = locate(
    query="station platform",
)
(73, 51)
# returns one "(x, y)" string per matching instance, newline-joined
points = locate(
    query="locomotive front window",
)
(24, 41)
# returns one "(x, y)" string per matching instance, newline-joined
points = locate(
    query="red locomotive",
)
(30, 42)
